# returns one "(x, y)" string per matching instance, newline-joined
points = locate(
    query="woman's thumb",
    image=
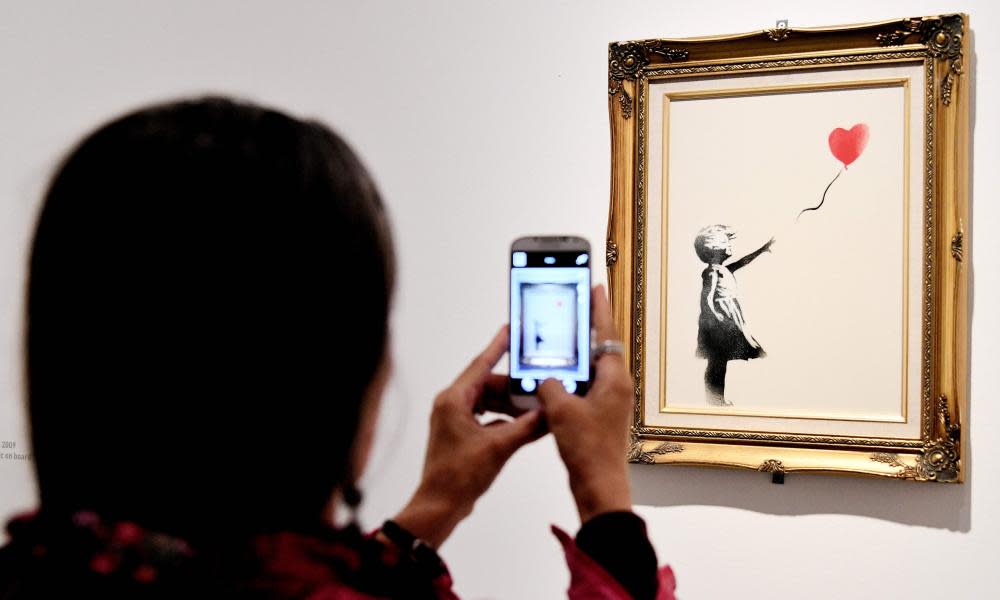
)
(551, 395)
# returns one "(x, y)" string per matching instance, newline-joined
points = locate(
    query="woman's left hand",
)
(463, 456)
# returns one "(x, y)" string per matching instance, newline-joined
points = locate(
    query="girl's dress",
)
(730, 338)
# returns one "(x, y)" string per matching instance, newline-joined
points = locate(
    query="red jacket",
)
(91, 557)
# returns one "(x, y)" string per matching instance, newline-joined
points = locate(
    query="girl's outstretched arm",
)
(746, 260)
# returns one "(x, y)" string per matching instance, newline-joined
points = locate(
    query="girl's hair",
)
(208, 300)
(711, 242)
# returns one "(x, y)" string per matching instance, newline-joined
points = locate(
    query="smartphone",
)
(549, 316)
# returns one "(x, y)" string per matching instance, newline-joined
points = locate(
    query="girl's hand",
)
(591, 432)
(463, 456)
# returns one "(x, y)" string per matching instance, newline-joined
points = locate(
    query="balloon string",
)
(822, 200)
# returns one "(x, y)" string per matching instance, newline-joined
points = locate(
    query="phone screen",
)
(549, 319)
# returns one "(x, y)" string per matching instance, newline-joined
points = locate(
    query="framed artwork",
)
(785, 247)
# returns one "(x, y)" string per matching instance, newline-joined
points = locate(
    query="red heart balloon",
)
(848, 145)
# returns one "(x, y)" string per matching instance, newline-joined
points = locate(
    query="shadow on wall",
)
(937, 505)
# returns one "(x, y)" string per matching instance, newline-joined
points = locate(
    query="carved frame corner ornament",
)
(627, 59)
(939, 460)
(610, 252)
(943, 37)
(647, 457)
(939, 457)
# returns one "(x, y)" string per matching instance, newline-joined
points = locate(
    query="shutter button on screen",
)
(570, 385)
(528, 385)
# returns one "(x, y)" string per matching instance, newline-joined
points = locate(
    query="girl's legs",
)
(715, 382)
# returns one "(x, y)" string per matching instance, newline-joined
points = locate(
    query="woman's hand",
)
(591, 432)
(463, 456)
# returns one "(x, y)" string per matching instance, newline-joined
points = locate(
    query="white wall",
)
(483, 121)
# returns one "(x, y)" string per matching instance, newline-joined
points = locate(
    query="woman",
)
(208, 309)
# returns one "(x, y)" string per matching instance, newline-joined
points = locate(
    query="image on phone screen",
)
(548, 331)
(550, 319)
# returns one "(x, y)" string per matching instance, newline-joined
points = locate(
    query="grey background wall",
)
(483, 121)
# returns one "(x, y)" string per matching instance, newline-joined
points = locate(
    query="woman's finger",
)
(608, 365)
(496, 397)
(479, 369)
(522, 430)
(604, 322)
(552, 396)
(496, 384)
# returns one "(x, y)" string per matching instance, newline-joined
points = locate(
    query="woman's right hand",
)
(464, 456)
(592, 432)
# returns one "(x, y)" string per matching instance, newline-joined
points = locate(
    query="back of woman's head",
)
(208, 297)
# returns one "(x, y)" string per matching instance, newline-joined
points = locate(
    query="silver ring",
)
(608, 347)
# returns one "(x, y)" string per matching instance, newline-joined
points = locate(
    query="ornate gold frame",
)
(940, 44)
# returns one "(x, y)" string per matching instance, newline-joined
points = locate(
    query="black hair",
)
(208, 301)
